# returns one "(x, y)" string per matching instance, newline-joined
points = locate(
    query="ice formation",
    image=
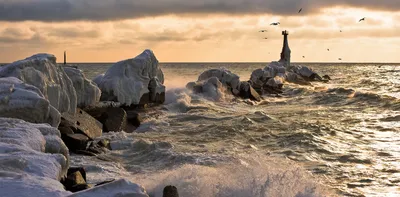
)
(98, 78)
(227, 78)
(33, 159)
(42, 71)
(117, 188)
(127, 81)
(87, 92)
(26, 102)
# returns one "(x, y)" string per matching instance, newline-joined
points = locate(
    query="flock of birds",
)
(301, 9)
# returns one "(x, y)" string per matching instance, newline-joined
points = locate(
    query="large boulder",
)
(32, 161)
(87, 92)
(248, 92)
(116, 188)
(113, 118)
(82, 122)
(306, 72)
(26, 102)
(42, 71)
(226, 77)
(128, 81)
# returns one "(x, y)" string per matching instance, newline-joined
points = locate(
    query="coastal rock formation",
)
(128, 81)
(305, 72)
(26, 102)
(97, 79)
(32, 161)
(113, 118)
(82, 123)
(228, 79)
(42, 71)
(87, 92)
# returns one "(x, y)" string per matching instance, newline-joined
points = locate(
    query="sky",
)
(202, 30)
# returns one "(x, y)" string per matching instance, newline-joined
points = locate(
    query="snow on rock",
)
(98, 78)
(87, 92)
(116, 188)
(42, 71)
(127, 81)
(305, 72)
(227, 78)
(32, 160)
(26, 102)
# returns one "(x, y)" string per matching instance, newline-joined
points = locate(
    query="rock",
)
(295, 78)
(127, 81)
(87, 92)
(105, 182)
(327, 77)
(194, 87)
(305, 72)
(213, 89)
(97, 79)
(77, 169)
(227, 78)
(134, 118)
(75, 182)
(76, 141)
(25, 102)
(104, 143)
(170, 191)
(86, 152)
(116, 188)
(84, 123)
(247, 92)
(42, 71)
(157, 91)
(65, 130)
(79, 187)
(113, 118)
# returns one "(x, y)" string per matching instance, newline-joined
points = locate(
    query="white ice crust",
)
(42, 71)
(26, 102)
(129, 80)
(87, 92)
(117, 188)
(32, 160)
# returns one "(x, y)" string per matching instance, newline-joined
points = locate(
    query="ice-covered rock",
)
(26, 102)
(225, 76)
(128, 81)
(98, 78)
(117, 188)
(33, 159)
(87, 92)
(305, 72)
(42, 71)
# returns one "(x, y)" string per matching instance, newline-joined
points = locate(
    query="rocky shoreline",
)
(48, 111)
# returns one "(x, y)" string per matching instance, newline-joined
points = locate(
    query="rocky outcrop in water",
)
(133, 81)
(42, 71)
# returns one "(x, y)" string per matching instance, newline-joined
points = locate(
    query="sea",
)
(340, 138)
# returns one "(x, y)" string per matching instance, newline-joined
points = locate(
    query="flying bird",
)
(327, 49)
(363, 19)
(275, 23)
(340, 58)
(340, 30)
(303, 56)
(263, 31)
(300, 10)
(265, 38)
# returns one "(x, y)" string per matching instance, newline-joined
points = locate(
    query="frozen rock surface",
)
(26, 102)
(32, 159)
(225, 76)
(42, 71)
(87, 92)
(117, 188)
(129, 80)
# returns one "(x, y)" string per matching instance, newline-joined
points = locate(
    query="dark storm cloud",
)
(101, 10)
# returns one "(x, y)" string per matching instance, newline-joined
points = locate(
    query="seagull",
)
(363, 19)
(263, 31)
(275, 23)
(340, 58)
(340, 30)
(300, 10)
(303, 56)
(265, 38)
(328, 49)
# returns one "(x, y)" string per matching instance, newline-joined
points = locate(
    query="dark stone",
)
(104, 143)
(105, 182)
(79, 187)
(170, 191)
(272, 90)
(75, 142)
(327, 77)
(247, 92)
(75, 169)
(112, 118)
(160, 98)
(134, 118)
(73, 180)
(145, 99)
(65, 130)
(194, 87)
(85, 152)
(67, 124)
(84, 123)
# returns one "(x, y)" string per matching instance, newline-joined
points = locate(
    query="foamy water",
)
(339, 138)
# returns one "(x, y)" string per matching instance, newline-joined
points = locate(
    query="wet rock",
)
(76, 169)
(85, 152)
(134, 118)
(327, 77)
(112, 118)
(247, 92)
(75, 142)
(170, 191)
(65, 130)
(105, 182)
(84, 123)
(194, 87)
(104, 143)
(75, 182)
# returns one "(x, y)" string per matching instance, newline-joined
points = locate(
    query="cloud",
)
(105, 10)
